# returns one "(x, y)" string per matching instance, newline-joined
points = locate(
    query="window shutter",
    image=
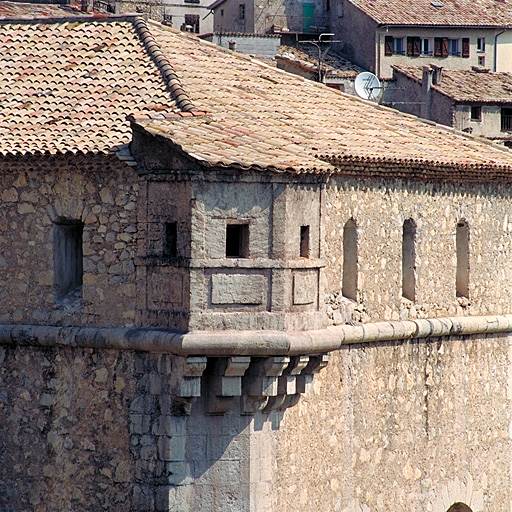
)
(410, 46)
(416, 50)
(465, 47)
(388, 45)
(438, 47)
(446, 47)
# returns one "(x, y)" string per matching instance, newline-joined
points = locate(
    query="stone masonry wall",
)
(99, 191)
(379, 211)
(416, 425)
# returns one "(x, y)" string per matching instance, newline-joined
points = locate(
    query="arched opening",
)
(462, 247)
(409, 260)
(459, 507)
(349, 283)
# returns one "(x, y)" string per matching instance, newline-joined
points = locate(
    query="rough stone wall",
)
(379, 211)
(84, 429)
(401, 426)
(101, 192)
(64, 430)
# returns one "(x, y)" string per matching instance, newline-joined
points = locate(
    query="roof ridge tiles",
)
(174, 86)
(71, 18)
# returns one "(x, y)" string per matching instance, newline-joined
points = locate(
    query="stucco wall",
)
(99, 191)
(384, 63)
(401, 426)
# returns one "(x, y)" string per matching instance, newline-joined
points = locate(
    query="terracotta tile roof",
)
(262, 117)
(29, 10)
(468, 86)
(68, 85)
(490, 13)
(306, 56)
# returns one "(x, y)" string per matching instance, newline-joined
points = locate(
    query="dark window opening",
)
(304, 241)
(241, 11)
(481, 61)
(68, 257)
(506, 119)
(237, 241)
(409, 260)
(170, 246)
(462, 249)
(191, 23)
(476, 113)
(349, 283)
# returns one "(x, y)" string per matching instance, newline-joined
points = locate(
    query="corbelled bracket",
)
(261, 382)
(223, 381)
(186, 382)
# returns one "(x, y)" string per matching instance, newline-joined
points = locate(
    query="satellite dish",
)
(367, 86)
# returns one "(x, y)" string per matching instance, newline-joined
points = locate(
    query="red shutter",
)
(388, 45)
(416, 51)
(446, 47)
(410, 46)
(465, 47)
(438, 47)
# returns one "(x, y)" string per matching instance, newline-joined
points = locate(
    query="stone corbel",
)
(287, 383)
(261, 382)
(304, 381)
(223, 382)
(186, 382)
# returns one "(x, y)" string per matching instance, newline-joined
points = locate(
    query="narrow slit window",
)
(237, 240)
(409, 260)
(304, 241)
(462, 248)
(68, 257)
(170, 246)
(349, 283)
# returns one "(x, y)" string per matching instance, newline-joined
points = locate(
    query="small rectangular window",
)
(480, 44)
(241, 11)
(398, 46)
(237, 240)
(68, 257)
(170, 244)
(476, 113)
(304, 241)
(453, 47)
(426, 47)
(481, 61)
(506, 119)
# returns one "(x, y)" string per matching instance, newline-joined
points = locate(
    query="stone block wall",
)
(414, 425)
(98, 191)
(87, 429)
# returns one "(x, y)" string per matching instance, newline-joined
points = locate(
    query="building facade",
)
(377, 35)
(258, 294)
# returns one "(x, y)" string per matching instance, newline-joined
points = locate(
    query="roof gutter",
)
(250, 343)
(496, 49)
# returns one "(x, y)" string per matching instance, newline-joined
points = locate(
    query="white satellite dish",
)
(367, 86)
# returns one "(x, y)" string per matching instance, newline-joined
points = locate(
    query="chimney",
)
(437, 74)
(232, 45)
(86, 5)
(426, 85)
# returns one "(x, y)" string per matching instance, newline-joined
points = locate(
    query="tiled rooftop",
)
(490, 13)
(468, 86)
(263, 117)
(70, 85)
(306, 56)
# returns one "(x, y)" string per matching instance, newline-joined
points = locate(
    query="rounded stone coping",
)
(250, 343)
